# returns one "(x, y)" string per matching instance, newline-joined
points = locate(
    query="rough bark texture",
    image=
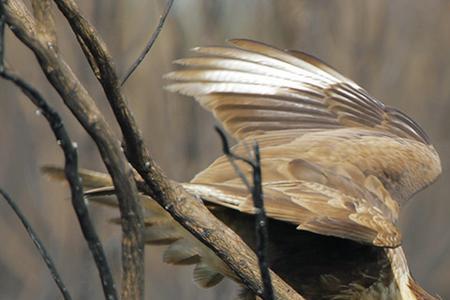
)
(76, 97)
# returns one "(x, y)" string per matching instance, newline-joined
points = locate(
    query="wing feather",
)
(335, 160)
(312, 207)
(261, 72)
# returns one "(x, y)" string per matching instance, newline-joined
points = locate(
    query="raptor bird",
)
(337, 167)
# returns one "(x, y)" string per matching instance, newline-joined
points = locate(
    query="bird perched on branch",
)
(337, 167)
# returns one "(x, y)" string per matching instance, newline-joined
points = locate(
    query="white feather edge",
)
(229, 76)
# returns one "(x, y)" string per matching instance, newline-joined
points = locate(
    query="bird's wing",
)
(330, 152)
(253, 88)
(318, 203)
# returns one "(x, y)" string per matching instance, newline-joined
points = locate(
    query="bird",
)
(337, 167)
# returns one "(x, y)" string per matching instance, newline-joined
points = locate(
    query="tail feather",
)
(181, 253)
(160, 229)
(205, 276)
(91, 179)
(162, 234)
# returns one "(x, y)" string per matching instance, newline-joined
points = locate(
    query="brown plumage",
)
(337, 167)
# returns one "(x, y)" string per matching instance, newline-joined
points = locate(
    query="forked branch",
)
(262, 235)
(71, 171)
(76, 97)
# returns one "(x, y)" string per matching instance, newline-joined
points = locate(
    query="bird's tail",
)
(160, 229)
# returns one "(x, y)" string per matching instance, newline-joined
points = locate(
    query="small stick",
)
(262, 235)
(39, 245)
(71, 171)
(151, 41)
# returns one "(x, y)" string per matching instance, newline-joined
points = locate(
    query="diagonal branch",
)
(150, 42)
(2, 38)
(71, 171)
(184, 207)
(43, 15)
(85, 110)
(39, 245)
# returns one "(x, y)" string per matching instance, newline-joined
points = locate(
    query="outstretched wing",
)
(253, 88)
(335, 160)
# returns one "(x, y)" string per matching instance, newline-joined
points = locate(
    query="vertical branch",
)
(71, 171)
(262, 235)
(39, 245)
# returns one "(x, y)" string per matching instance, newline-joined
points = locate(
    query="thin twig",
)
(262, 236)
(84, 108)
(39, 245)
(2, 37)
(233, 157)
(71, 171)
(151, 41)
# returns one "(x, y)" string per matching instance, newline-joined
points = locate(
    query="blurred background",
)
(397, 50)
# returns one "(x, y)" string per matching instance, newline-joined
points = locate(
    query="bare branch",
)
(46, 25)
(83, 107)
(149, 45)
(71, 172)
(39, 245)
(185, 208)
(2, 38)
(262, 235)
(232, 157)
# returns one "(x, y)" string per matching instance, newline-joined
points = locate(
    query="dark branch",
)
(71, 172)
(39, 245)
(233, 157)
(262, 236)
(2, 38)
(76, 97)
(150, 42)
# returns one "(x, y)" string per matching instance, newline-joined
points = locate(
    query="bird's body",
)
(337, 165)
(322, 267)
